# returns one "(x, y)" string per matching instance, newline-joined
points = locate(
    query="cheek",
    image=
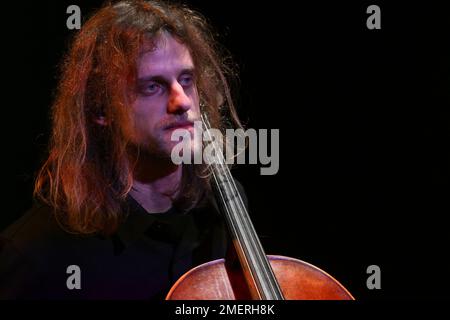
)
(148, 109)
(145, 116)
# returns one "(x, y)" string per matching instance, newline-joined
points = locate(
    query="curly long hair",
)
(88, 175)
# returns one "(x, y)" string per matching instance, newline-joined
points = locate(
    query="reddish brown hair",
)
(87, 175)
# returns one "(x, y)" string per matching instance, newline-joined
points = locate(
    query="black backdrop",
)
(363, 118)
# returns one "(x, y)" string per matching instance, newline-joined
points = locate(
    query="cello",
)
(247, 273)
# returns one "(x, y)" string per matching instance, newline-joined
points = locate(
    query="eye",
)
(186, 80)
(151, 88)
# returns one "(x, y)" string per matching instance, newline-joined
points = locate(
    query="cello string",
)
(217, 167)
(248, 238)
(230, 188)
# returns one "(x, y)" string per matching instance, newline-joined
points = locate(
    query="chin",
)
(193, 150)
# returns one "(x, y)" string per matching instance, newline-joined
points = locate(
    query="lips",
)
(179, 125)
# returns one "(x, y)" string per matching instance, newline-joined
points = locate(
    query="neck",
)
(156, 182)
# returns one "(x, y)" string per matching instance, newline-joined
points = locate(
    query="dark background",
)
(364, 129)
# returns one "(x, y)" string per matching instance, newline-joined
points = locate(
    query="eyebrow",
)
(161, 78)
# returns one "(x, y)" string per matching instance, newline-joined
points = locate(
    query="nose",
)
(178, 102)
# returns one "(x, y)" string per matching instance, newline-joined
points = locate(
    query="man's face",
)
(167, 97)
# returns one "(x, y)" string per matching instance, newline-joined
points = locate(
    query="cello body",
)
(298, 280)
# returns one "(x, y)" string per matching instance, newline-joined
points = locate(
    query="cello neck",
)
(255, 265)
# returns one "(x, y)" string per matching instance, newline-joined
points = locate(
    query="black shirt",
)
(142, 260)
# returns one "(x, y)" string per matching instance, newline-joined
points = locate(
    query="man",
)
(114, 217)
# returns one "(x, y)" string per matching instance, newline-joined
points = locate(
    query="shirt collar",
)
(138, 221)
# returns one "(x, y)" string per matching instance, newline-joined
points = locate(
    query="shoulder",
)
(19, 267)
(39, 236)
(34, 252)
(37, 228)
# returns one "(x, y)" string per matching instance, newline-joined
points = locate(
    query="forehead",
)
(166, 56)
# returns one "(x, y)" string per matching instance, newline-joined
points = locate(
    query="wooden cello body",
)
(298, 281)
(247, 273)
